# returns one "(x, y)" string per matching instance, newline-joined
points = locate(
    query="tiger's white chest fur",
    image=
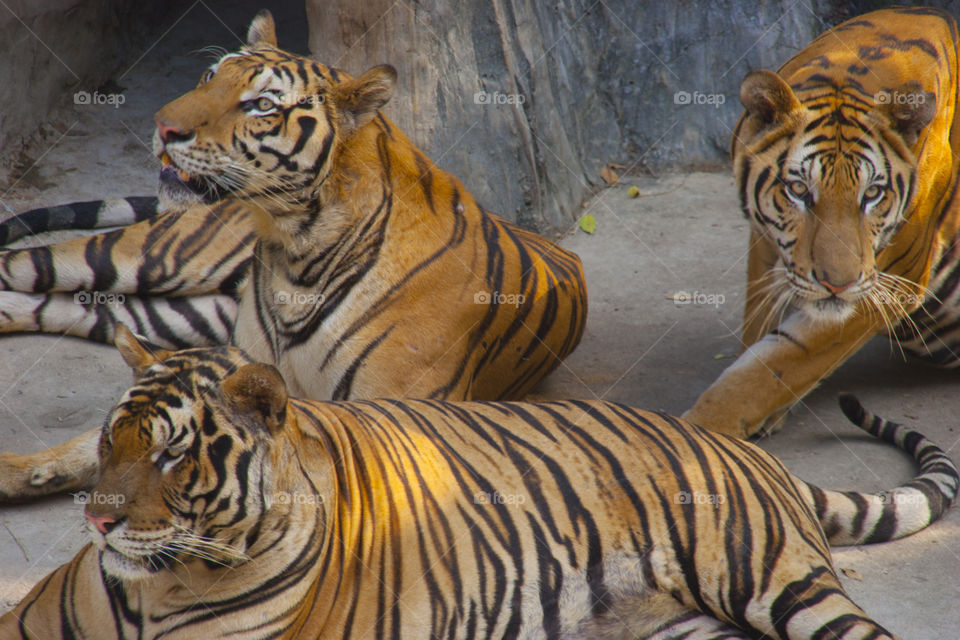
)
(273, 308)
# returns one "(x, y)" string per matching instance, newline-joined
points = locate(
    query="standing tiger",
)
(366, 271)
(227, 510)
(846, 162)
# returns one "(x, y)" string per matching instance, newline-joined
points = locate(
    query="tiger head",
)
(828, 181)
(262, 125)
(185, 459)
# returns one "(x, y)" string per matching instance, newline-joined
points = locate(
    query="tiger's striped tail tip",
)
(939, 478)
(853, 409)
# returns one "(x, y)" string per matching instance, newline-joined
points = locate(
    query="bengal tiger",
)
(846, 166)
(227, 509)
(305, 228)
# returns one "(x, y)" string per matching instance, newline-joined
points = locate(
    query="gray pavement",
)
(683, 234)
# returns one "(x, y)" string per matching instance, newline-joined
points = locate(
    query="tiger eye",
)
(264, 104)
(797, 188)
(871, 192)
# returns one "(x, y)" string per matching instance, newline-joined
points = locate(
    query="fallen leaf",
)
(853, 574)
(609, 176)
(588, 223)
(720, 356)
(616, 165)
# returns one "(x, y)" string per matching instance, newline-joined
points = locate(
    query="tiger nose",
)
(104, 524)
(835, 288)
(170, 133)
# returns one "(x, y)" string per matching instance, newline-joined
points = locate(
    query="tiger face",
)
(185, 474)
(262, 124)
(828, 180)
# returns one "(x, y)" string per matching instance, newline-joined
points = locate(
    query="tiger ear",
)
(258, 389)
(262, 30)
(136, 351)
(908, 109)
(360, 98)
(767, 97)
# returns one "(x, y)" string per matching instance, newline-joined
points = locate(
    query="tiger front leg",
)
(778, 371)
(70, 466)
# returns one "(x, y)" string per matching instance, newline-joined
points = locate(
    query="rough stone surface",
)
(57, 52)
(527, 101)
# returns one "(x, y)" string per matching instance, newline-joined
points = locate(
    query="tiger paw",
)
(773, 423)
(69, 466)
(20, 480)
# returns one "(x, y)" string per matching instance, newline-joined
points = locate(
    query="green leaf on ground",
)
(588, 223)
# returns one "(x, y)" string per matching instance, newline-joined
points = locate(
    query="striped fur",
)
(228, 510)
(314, 233)
(847, 172)
(176, 277)
(94, 214)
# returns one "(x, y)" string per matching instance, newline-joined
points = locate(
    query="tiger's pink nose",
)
(836, 288)
(169, 132)
(104, 524)
(833, 287)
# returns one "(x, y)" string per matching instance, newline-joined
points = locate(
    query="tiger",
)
(229, 508)
(298, 223)
(846, 164)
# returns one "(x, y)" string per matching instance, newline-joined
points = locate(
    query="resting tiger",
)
(227, 510)
(846, 164)
(366, 271)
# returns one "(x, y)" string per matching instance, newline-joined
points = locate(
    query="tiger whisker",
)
(772, 290)
(237, 174)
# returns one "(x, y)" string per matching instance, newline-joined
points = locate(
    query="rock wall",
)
(51, 49)
(526, 101)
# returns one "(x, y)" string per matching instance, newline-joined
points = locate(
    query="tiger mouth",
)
(173, 175)
(829, 308)
(174, 178)
(131, 567)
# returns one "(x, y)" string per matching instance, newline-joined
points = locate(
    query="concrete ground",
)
(683, 234)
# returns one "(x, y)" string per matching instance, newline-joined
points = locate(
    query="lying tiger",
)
(309, 231)
(846, 162)
(227, 510)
